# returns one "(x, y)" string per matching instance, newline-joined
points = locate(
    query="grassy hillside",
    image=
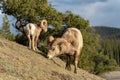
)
(108, 32)
(19, 63)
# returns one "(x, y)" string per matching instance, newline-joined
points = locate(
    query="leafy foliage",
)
(111, 48)
(72, 20)
(91, 47)
(92, 57)
(32, 10)
(103, 63)
(35, 10)
(110, 42)
(21, 39)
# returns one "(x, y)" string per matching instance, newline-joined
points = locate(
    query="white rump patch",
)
(31, 27)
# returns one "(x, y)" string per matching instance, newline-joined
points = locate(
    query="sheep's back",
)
(74, 36)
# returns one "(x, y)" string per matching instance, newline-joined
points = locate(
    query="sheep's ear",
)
(50, 39)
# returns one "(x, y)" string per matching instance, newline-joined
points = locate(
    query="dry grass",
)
(19, 63)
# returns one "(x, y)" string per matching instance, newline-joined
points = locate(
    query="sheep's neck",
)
(38, 30)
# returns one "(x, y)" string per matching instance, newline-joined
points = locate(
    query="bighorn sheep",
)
(70, 43)
(33, 31)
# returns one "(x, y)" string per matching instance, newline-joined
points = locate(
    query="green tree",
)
(91, 48)
(92, 57)
(72, 20)
(111, 48)
(34, 10)
(5, 29)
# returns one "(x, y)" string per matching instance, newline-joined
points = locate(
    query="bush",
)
(103, 63)
(21, 39)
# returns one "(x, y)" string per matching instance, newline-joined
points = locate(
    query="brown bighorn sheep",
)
(33, 31)
(70, 43)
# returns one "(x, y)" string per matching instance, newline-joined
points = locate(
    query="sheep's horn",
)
(44, 23)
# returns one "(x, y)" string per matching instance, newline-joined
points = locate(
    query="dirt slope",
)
(19, 63)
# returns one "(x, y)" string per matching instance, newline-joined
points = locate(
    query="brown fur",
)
(70, 43)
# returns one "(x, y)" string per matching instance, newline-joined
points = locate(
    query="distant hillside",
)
(107, 32)
(19, 63)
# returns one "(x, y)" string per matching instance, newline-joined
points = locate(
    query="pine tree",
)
(5, 26)
(5, 29)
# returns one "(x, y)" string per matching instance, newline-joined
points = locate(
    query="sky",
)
(98, 12)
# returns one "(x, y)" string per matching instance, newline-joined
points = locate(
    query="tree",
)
(111, 48)
(31, 9)
(5, 30)
(91, 48)
(5, 26)
(72, 20)
(35, 10)
(92, 57)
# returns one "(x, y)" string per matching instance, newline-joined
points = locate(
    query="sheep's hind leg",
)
(76, 61)
(33, 43)
(29, 41)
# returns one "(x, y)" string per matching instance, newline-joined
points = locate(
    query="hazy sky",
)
(98, 12)
(1, 16)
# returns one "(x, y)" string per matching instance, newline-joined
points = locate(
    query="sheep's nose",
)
(49, 56)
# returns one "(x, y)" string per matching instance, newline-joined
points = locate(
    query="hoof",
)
(29, 48)
(68, 68)
(75, 72)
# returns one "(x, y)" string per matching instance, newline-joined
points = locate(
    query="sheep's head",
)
(44, 25)
(58, 46)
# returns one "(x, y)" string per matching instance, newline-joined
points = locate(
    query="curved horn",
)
(43, 23)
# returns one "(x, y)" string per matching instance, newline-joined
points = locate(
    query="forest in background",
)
(110, 41)
(98, 55)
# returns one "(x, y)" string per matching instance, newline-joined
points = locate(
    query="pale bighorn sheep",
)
(33, 31)
(70, 43)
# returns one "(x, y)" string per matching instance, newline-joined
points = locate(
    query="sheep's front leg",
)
(68, 67)
(36, 41)
(76, 57)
